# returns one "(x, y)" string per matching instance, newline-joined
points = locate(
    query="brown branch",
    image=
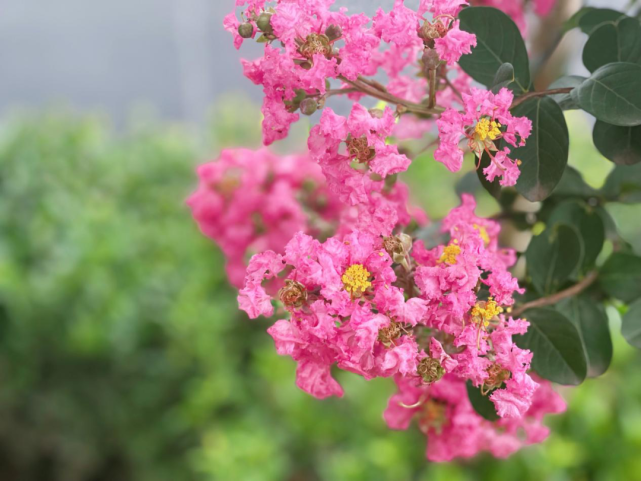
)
(559, 296)
(529, 95)
(412, 107)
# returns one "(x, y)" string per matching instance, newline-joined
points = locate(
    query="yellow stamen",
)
(483, 312)
(487, 128)
(356, 279)
(449, 254)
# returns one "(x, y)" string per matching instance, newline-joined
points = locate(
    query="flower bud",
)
(333, 32)
(308, 106)
(246, 30)
(264, 23)
(293, 294)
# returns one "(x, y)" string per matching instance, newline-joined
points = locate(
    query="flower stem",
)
(559, 296)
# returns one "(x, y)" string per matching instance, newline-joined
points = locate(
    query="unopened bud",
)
(246, 30)
(264, 23)
(333, 32)
(293, 294)
(308, 106)
(431, 60)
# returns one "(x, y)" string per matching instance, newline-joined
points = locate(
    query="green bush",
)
(123, 355)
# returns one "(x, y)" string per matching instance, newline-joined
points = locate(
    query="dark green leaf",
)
(631, 325)
(620, 276)
(481, 404)
(553, 256)
(594, 18)
(494, 49)
(612, 94)
(590, 319)
(545, 153)
(589, 224)
(621, 145)
(556, 344)
(494, 188)
(613, 42)
(503, 78)
(565, 101)
(573, 21)
(624, 184)
(573, 185)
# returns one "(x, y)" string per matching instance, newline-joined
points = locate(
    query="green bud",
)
(264, 23)
(246, 30)
(333, 32)
(308, 106)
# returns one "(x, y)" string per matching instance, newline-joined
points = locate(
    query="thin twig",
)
(456, 91)
(529, 95)
(559, 296)
(392, 99)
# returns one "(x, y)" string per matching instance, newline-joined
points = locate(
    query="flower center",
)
(484, 311)
(359, 149)
(315, 43)
(387, 334)
(483, 233)
(486, 128)
(450, 253)
(356, 280)
(430, 370)
(292, 294)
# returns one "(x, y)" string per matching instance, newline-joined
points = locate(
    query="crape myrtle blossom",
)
(338, 262)
(485, 121)
(516, 9)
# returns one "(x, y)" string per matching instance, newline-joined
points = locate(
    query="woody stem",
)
(559, 296)
(529, 95)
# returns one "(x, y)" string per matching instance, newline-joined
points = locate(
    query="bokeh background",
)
(122, 353)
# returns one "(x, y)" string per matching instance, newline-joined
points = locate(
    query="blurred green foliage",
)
(123, 356)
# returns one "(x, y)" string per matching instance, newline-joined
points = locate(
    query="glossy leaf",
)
(623, 184)
(588, 223)
(612, 94)
(591, 320)
(556, 344)
(565, 101)
(503, 78)
(573, 185)
(613, 42)
(620, 276)
(631, 324)
(494, 188)
(492, 50)
(481, 404)
(593, 18)
(621, 145)
(545, 153)
(553, 256)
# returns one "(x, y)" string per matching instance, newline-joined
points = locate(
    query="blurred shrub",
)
(123, 356)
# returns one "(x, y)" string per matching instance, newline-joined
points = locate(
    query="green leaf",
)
(594, 18)
(556, 344)
(612, 94)
(481, 404)
(623, 184)
(573, 21)
(565, 101)
(620, 276)
(590, 319)
(631, 325)
(573, 185)
(613, 42)
(498, 41)
(621, 145)
(503, 78)
(545, 153)
(553, 256)
(589, 224)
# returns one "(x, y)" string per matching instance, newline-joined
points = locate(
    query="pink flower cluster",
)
(379, 307)
(485, 120)
(516, 9)
(339, 255)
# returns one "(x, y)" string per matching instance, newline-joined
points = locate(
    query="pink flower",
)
(399, 26)
(455, 44)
